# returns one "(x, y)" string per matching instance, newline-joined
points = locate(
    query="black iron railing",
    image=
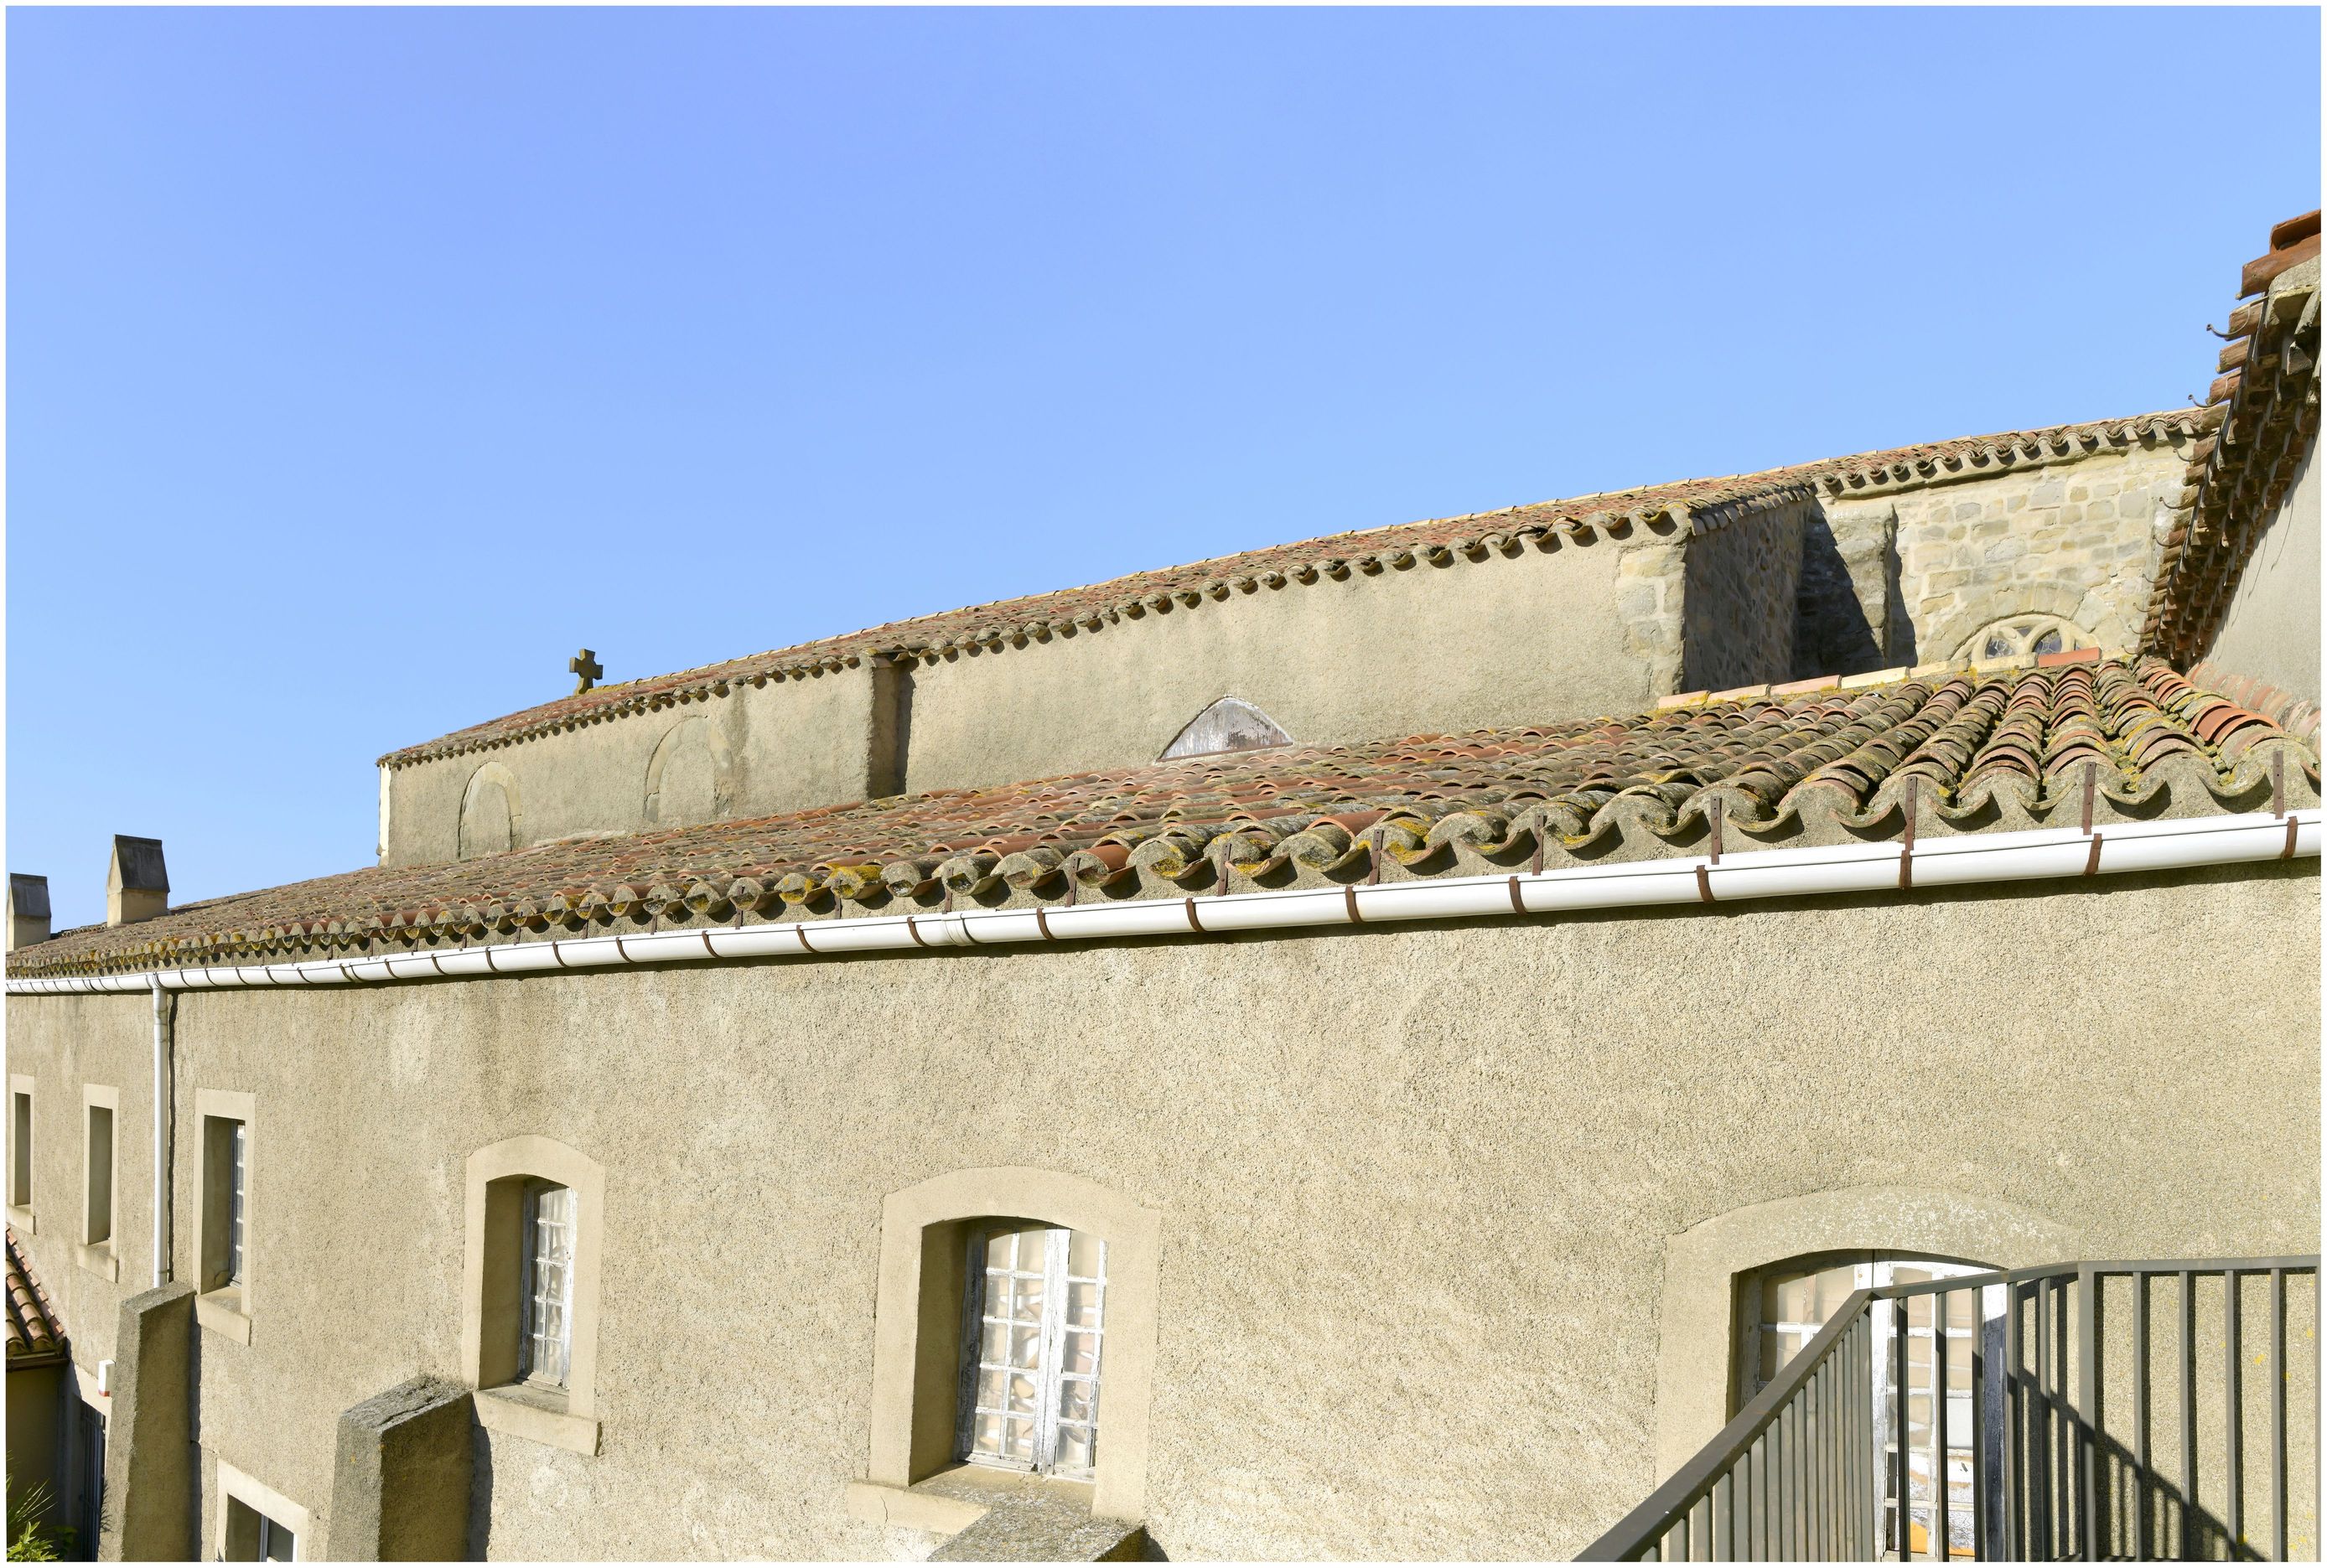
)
(1861, 1449)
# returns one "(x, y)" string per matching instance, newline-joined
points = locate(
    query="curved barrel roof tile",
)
(2018, 744)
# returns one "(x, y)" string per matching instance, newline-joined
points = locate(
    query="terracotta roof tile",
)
(1705, 503)
(2264, 417)
(1981, 752)
(34, 1335)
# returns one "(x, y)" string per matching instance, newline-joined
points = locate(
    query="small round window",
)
(2017, 636)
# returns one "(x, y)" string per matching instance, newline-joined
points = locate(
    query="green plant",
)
(30, 1540)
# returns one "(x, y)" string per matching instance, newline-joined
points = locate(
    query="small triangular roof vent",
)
(1230, 725)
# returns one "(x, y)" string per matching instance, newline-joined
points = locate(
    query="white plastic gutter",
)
(1954, 862)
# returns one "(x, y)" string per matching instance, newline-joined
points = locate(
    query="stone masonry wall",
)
(1739, 589)
(2078, 540)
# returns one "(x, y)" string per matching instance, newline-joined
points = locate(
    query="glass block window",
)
(2016, 636)
(1034, 1323)
(545, 1288)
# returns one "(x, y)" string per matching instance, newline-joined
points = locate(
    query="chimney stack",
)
(137, 888)
(28, 910)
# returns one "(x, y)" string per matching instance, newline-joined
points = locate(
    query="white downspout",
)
(161, 1145)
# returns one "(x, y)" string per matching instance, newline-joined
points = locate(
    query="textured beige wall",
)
(787, 746)
(1508, 640)
(2272, 629)
(1417, 1185)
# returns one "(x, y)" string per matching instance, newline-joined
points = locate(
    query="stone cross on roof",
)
(587, 670)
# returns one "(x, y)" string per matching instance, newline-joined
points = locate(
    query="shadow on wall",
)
(480, 1491)
(1832, 633)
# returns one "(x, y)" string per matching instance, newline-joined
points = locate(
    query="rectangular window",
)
(1035, 1317)
(225, 1168)
(251, 1537)
(98, 1217)
(546, 1337)
(20, 1149)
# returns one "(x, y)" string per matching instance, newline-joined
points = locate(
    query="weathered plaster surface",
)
(1512, 640)
(787, 746)
(2272, 628)
(1418, 1187)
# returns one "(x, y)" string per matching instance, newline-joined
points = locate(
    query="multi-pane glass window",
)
(235, 1138)
(97, 1225)
(545, 1288)
(1785, 1307)
(1035, 1324)
(20, 1150)
(253, 1537)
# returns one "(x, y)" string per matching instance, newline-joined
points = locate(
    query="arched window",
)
(1781, 1310)
(2016, 636)
(1230, 725)
(530, 1293)
(1009, 1297)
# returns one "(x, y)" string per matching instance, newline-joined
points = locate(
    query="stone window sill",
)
(537, 1415)
(951, 1500)
(99, 1259)
(221, 1311)
(20, 1219)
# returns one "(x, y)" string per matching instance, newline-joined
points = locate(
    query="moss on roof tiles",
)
(1973, 751)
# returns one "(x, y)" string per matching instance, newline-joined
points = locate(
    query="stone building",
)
(1381, 1047)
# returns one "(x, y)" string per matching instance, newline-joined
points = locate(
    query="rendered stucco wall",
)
(1504, 641)
(1417, 1185)
(2272, 629)
(786, 746)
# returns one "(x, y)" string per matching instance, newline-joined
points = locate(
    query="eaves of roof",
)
(2266, 404)
(1699, 504)
(36, 1338)
(1941, 750)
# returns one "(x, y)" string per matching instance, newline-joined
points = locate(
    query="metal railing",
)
(2056, 1454)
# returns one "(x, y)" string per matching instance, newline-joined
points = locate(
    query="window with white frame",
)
(546, 1285)
(1033, 1325)
(251, 1537)
(96, 1165)
(1782, 1309)
(226, 1163)
(20, 1148)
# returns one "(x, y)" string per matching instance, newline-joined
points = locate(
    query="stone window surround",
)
(1697, 1313)
(497, 1175)
(227, 1310)
(263, 1498)
(916, 1367)
(101, 1258)
(22, 1215)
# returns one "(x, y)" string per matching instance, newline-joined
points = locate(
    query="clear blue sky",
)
(364, 363)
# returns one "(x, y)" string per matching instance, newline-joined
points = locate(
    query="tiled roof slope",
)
(1995, 747)
(34, 1337)
(1703, 504)
(2267, 401)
